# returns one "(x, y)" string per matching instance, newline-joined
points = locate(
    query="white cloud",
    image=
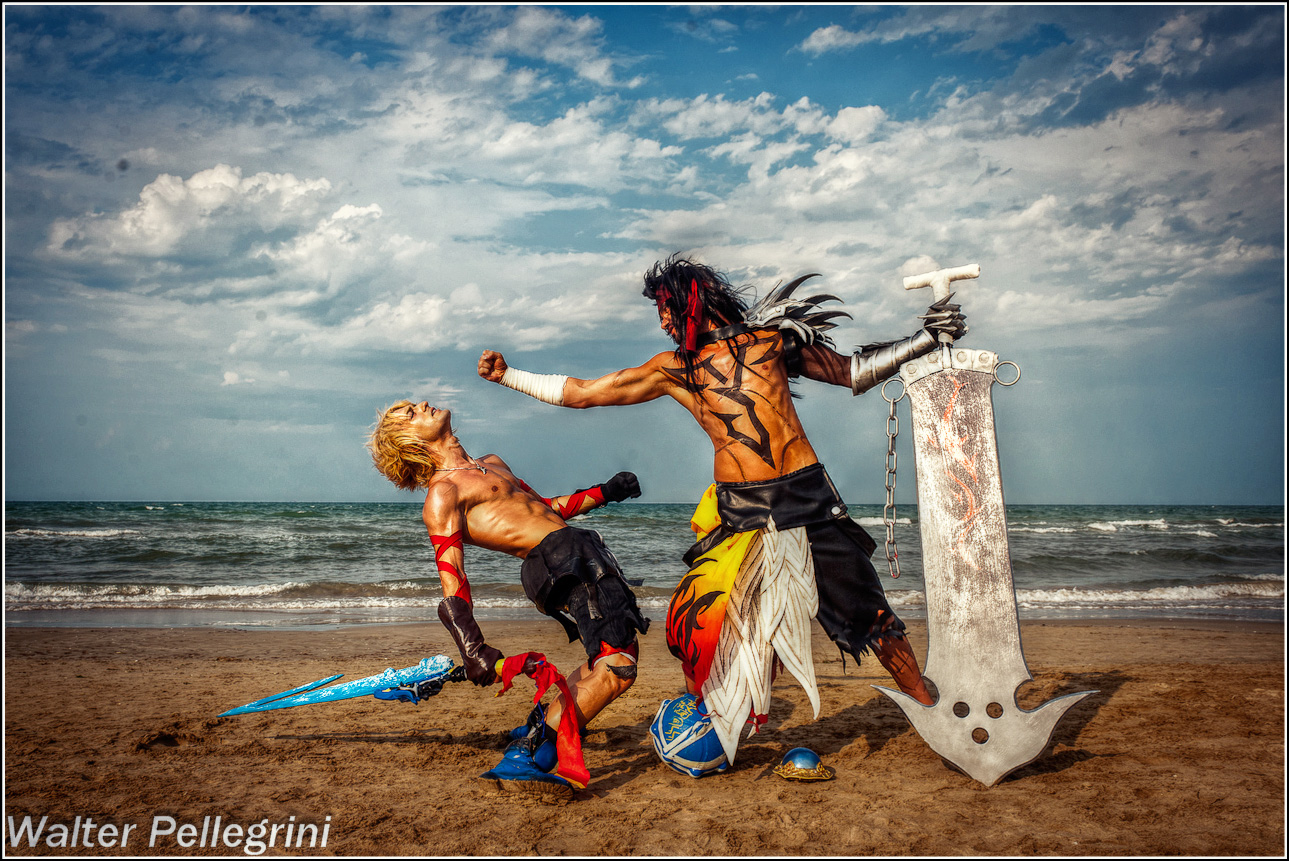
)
(954, 28)
(574, 43)
(170, 211)
(706, 116)
(575, 149)
(855, 125)
(832, 38)
(335, 247)
(1175, 46)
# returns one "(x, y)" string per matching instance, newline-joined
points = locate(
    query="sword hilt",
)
(939, 281)
(414, 692)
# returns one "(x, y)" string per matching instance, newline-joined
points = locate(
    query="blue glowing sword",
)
(410, 684)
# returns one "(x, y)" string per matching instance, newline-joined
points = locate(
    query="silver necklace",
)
(477, 466)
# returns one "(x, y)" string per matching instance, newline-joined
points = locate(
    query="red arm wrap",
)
(442, 544)
(573, 506)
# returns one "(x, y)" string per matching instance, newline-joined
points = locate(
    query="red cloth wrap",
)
(693, 313)
(575, 502)
(568, 737)
(442, 544)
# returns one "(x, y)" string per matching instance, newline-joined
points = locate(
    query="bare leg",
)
(592, 689)
(897, 656)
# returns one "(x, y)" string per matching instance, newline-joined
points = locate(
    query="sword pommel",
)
(939, 280)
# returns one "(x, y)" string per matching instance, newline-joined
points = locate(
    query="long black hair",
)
(695, 294)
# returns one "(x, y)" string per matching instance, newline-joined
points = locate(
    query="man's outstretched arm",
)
(876, 363)
(620, 388)
(622, 486)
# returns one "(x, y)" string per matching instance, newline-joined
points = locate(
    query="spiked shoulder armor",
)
(801, 321)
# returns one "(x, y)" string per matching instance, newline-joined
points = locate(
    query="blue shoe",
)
(546, 757)
(518, 771)
(535, 717)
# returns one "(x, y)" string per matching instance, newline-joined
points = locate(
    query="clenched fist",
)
(622, 486)
(492, 366)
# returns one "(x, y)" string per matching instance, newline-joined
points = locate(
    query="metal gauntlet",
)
(873, 365)
(479, 658)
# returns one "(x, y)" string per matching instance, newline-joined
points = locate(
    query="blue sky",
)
(232, 233)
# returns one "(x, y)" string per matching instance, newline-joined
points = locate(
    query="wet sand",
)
(1180, 753)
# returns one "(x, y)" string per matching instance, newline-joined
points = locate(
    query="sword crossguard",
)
(939, 280)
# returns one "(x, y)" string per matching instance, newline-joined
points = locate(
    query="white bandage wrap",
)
(547, 388)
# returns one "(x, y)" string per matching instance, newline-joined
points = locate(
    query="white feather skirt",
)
(770, 608)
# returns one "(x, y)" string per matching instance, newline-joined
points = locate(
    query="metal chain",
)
(888, 513)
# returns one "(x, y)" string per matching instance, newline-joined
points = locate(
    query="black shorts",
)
(573, 578)
(853, 609)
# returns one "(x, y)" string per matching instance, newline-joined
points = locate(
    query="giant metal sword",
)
(974, 655)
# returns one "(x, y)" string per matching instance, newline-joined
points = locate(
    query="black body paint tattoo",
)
(759, 444)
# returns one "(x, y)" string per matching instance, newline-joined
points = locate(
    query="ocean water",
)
(299, 565)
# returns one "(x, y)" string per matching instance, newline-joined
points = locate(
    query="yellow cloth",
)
(697, 608)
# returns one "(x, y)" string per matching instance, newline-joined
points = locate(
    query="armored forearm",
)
(479, 658)
(873, 365)
(622, 486)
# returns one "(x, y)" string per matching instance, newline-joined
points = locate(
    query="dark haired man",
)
(776, 546)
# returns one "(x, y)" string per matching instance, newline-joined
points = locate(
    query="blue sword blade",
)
(310, 686)
(427, 670)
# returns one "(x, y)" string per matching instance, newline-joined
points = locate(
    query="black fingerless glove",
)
(479, 658)
(622, 486)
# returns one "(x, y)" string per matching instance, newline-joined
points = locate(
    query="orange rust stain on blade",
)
(953, 447)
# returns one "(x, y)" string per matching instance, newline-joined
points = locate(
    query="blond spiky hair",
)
(397, 452)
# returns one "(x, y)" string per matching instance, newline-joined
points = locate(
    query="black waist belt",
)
(797, 499)
(560, 561)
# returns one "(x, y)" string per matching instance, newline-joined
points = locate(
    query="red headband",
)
(693, 311)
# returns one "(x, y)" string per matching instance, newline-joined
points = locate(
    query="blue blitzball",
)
(684, 738)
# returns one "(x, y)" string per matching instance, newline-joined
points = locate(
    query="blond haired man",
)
(567, 572)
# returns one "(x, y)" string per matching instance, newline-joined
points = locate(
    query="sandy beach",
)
(1180, 753)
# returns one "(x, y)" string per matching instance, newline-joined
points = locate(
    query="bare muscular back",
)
(744, 403)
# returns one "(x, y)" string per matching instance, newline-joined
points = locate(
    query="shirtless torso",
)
(736, 387)
(740, 397)
(480, 501)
